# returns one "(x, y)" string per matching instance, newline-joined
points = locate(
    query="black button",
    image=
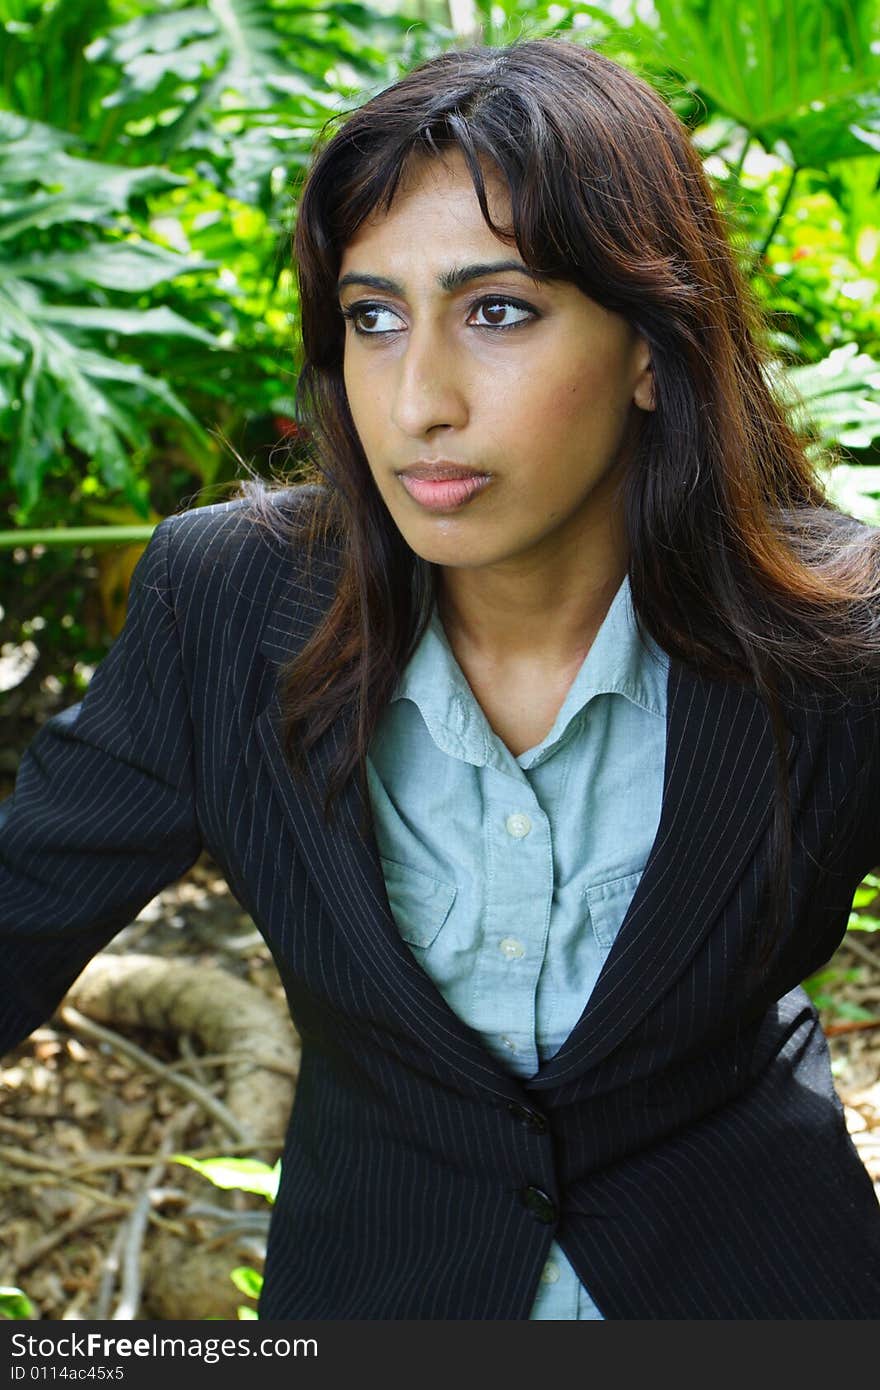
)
(530, 1118)
(539, 1204)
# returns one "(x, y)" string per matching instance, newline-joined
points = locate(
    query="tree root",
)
(226, 1015)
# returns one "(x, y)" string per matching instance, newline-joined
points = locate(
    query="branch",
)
(86, 1027)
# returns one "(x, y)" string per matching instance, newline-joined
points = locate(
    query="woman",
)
(564, 592)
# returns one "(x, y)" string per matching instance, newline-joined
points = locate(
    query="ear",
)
(643, 391)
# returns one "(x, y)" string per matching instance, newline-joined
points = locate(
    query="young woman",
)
(564, 594)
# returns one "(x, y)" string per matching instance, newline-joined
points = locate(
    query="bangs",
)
(495, 138)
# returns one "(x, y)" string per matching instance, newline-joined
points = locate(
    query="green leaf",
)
(839, 396)
(14, 1303)
(44, 72)
(60, 396)
(831, 974)
(126, 321)
(10, 354)
(121, 265)
(844, 368)
(861, 921)
(854, 1013)
(247, 1280)
(238, 37)
(846, 129)
(864, 894)
(76, 189)
(246, 1174)
(769, 63)
(183, 43)
(855, 489)
(161, 33)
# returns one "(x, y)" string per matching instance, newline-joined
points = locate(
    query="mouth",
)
(445, 489)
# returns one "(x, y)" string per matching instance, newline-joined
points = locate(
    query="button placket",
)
(519, 885)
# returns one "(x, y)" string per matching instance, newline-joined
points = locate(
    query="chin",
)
(429, 536)
(454, 556)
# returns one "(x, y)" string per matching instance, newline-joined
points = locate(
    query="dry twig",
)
(85, 1026)
(858, 1025)
(79, 1221)
(135, 1227)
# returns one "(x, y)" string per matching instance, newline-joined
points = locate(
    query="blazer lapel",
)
(719, 784)
(345, 867)
(718, 790)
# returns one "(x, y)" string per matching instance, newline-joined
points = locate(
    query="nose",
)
(429, 392)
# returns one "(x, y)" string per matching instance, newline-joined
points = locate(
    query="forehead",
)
(435, 202)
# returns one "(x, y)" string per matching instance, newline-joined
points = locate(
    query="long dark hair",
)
(739, 565)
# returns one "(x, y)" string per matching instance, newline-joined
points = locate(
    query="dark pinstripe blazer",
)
(685, 1145)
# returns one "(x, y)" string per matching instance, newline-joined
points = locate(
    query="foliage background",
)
(151, 153)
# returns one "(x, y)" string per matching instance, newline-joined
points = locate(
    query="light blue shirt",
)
(509, 877)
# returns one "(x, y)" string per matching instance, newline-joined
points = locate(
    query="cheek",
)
(361, 404)
(350, 382)
(534, 403)
(593, 395)
(567, 400)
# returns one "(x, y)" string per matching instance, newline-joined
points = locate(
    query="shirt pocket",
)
(607, 904)
(420, 903)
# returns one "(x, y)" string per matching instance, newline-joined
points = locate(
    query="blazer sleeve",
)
(102, 815)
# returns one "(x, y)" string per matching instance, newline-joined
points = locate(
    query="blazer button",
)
(539, 1204)
(530, 1118)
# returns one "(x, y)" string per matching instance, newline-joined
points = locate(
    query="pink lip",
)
(444, 494)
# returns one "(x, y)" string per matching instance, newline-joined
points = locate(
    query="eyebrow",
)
(448, 280)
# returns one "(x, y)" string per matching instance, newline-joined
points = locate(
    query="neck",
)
(521, 614)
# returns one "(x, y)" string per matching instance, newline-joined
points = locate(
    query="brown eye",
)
(358, 312)
(496, 307)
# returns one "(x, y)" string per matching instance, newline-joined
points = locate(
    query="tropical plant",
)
(58, 387)
(149, 156)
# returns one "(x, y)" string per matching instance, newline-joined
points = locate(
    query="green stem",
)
(108, 132)
(786, 198)
(73, 94)
(77, 535)
(738, 167)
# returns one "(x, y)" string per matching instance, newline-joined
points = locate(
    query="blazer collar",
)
(718, 790)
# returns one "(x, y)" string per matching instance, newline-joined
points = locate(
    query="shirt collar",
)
(618, 662)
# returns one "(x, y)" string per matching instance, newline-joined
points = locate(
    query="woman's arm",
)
(103, 811)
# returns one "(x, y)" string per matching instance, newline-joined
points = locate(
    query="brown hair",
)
(739, 565)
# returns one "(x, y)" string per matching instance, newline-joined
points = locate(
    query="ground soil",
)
(86, 1133)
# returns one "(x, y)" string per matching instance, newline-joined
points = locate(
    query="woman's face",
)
(531, 383)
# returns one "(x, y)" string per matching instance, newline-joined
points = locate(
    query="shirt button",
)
(509, 1043)
(550, 1273)
(511, 949)
(518, 825)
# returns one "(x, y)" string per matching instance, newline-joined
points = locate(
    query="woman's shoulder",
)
(255, 541)
(271, 515)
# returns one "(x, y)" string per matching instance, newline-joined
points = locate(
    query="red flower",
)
(287, 428)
